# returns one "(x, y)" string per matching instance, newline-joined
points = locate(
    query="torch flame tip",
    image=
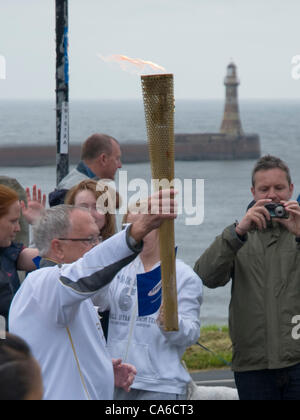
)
(125, 62)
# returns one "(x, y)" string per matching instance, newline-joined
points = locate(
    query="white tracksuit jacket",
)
(156, 354)
(53, 312)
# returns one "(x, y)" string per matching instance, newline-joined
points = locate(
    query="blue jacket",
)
(78, 174)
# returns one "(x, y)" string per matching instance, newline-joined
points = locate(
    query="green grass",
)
(216, 339)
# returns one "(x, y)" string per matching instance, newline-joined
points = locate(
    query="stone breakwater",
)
(188, 147)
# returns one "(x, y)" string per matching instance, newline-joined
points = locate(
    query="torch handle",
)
(168, 271)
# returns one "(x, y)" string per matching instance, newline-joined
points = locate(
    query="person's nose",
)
(17, 227)
(272, 194)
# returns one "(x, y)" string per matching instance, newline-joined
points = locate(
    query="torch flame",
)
(133, 65)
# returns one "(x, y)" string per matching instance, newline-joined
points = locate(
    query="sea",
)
(226, 183)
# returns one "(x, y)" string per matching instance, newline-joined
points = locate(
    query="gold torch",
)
(158, 94)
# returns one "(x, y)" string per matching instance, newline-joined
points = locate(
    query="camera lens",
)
(279, 211)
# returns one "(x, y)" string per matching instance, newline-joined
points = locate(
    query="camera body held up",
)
(277, 211)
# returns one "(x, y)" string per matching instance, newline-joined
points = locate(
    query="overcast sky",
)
(194, 39)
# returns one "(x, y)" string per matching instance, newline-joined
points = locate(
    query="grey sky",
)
(194, 39)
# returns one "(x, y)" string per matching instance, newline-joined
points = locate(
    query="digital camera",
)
(277, 210)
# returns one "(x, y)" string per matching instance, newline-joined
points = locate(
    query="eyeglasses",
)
(92, 240)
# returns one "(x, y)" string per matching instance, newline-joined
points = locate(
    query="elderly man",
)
(53, 311)
(100, 159)
(261, 255)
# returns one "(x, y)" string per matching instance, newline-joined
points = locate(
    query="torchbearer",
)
(158, 94)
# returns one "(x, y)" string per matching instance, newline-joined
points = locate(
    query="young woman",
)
(86, 195)
(142, 341)
(14, 256)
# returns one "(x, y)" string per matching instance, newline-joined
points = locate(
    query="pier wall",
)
(188, 147)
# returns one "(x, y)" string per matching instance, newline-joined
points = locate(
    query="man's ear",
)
(253, 191)
(291, 190)
(57, 249)
(102, 159)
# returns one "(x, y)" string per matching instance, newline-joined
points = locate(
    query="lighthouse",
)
(231, 121)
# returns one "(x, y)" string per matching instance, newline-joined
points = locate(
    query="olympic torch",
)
(158, 95)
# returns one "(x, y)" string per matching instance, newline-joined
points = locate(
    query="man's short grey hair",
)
(53, 224)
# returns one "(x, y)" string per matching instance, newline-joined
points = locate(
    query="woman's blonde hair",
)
(109, 228)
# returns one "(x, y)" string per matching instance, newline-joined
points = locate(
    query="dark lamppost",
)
(62, 90)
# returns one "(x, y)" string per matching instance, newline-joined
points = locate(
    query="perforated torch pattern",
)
(158, 94)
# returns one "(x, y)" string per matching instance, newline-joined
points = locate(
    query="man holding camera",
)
(261, 255)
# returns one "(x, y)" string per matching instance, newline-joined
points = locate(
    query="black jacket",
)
(9, 279)
(6, 295)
